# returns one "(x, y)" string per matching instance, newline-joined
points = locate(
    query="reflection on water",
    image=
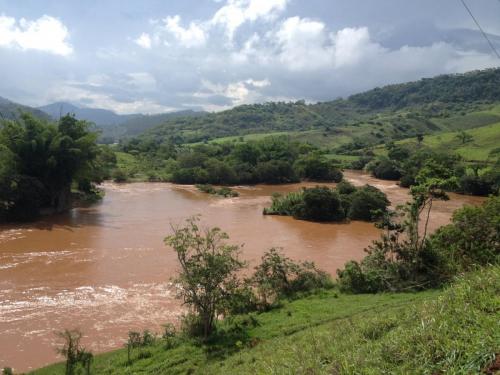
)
(104, 269)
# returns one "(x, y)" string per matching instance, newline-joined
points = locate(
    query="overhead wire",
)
(481, 29)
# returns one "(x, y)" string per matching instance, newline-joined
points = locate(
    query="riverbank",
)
(332, 332)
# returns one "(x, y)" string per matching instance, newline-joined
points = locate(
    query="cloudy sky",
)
(153, 56)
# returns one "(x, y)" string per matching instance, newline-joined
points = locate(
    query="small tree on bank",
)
(208, 270)
(73, 352)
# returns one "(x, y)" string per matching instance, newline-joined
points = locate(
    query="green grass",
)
(456, 331)
(485, 140)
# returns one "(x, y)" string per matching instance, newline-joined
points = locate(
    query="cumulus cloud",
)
(236, 12)
(191, 36)
(144, 41)
(43, 34)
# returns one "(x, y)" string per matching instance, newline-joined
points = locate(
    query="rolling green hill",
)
(448, 102)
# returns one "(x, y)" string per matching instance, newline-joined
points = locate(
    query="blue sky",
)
(156, 56)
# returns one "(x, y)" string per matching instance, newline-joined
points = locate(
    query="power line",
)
(481, 29)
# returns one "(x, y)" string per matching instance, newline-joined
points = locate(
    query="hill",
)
(11, 110)
(421, 333)
(100, 117)
(112, 124)
(395, 111)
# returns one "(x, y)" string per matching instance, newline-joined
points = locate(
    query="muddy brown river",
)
(105, 269)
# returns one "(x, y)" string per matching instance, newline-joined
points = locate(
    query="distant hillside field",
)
(443, 103)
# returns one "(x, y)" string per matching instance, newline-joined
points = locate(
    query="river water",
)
(105, 270)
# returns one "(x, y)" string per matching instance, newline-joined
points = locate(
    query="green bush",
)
(319, 204)
(277, 276)
(367, 203)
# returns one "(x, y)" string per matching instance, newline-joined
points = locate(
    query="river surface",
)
(105, 270)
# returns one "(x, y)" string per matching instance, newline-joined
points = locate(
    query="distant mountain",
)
(11, 110)
(100, 117)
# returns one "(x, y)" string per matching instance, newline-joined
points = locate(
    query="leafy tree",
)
(277, 276)
(473, 237)
(319, 204)
(208, 270)
(42, 161)
(367, 203)
(73, 352)
(464, 137)
(316, 167)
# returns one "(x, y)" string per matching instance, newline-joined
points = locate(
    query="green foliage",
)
(277, 277)
(223, 191)
(324, 204)
(404, 258)
(366, 203)
(319, 204)
(74, 353)
(208, 270)
(40, 161)
(472, 239)
(384, 168)
(316, 167)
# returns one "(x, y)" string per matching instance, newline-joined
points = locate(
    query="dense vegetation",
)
(405, 258)
(321, 203)
(411, 163)
(41, 162)
(270, 160)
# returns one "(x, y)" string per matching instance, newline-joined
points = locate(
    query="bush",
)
(472, 239)
(279, 277)
(367, 203)
(345, 187)
(317, 168)
(284, 204)
(384, 169)
(319, 204)
(475, 185)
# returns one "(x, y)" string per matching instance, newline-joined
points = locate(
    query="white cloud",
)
(191, 36)
(144, 41)
(64, 91)
(305, 44)
(44, 34)
(239, 92)
(236, 12)
(256, 83)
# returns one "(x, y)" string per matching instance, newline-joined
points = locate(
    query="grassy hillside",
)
(454, 331)
(396, 111)
(485, 143)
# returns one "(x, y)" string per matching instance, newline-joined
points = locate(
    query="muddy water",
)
(105, 270)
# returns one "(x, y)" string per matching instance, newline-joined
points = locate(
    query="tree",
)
(208, 270)
(43, 160)
(319, 204)
(464, 137)
(73, 352)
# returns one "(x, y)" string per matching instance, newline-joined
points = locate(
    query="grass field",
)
(455, 331)
(485, 140)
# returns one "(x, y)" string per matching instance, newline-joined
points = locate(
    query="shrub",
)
(367, 203)
(384, 168)
(345, 187)
(279, 277)
(319, 204)
(284, 204)
(472, 239)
